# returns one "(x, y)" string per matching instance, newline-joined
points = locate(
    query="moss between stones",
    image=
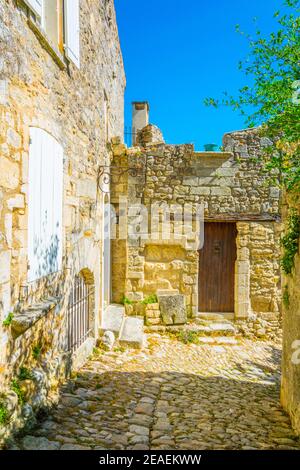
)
(36, 351)
(15, 386)
(4, 416)
(290, 242)
(8, 320)
(151, 299)
(25, 374)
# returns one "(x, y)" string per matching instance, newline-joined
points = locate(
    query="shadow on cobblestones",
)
(166, 410)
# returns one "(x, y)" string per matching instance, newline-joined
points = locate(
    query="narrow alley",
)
(171, 396)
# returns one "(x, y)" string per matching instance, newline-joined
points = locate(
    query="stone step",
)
(213, 329)
(211, 317)
(113, 319)
(217, 340)
(132, 334)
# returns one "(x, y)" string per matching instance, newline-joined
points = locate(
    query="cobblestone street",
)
(172, 396)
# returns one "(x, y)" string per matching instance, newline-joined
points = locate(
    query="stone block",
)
(191, 181)
(223, 191)
(87, 188)
(135, 275)
(108, 340)
(13, 139)
(5, 296)
(173, 309)
(9, 173)
(3, 92)
(17, 202)
(8, 229)
(153, 314)
(153, 321)
(200, 191)
(275, 193)
(154, 306)
(242, 310)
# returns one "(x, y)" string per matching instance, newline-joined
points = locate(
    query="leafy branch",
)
(272, 102)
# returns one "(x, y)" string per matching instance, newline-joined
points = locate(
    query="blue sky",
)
(176, 53)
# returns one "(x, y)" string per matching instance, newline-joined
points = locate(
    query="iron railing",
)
(78, 315)
(129, 136)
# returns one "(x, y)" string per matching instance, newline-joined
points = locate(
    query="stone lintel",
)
(227, 217)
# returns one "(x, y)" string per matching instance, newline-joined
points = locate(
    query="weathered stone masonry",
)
(231, 187)
(290, 389)
(83, 109)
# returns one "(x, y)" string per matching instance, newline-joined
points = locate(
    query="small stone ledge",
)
(225, 155)
(27, 319)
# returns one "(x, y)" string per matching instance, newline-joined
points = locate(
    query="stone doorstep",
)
(213, 329)
(27, 319)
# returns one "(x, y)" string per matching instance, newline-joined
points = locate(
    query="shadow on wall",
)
(47, 255)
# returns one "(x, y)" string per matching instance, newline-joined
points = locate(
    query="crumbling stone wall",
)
(40, 89)
(290, 389)
(149, 134)
(231, 187)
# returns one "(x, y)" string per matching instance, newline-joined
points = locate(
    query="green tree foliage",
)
(272, 101)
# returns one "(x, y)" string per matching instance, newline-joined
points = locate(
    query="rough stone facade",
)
(83, 109)
(290, 389)
(231, 187)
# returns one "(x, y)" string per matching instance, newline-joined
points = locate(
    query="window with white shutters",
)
(59, 20)
(45, 205)
(72, 31)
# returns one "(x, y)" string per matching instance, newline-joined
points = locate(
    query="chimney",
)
(140, 117)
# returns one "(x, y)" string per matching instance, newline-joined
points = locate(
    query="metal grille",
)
(129, 136)
(79, 327)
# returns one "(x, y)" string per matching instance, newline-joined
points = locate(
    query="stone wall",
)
(230, 186)
(290, 390)
(149, 135)
(40, 88)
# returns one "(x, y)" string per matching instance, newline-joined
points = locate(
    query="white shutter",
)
(34, 216)
(36, 6)
(72, 36)
(45, 205)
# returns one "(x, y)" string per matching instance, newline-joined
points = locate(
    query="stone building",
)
(290, 389)
(237, 272)
(61, 101)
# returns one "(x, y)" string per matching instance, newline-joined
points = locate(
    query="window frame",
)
(36, 23)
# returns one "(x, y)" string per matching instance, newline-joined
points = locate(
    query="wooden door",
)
(217, 268)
